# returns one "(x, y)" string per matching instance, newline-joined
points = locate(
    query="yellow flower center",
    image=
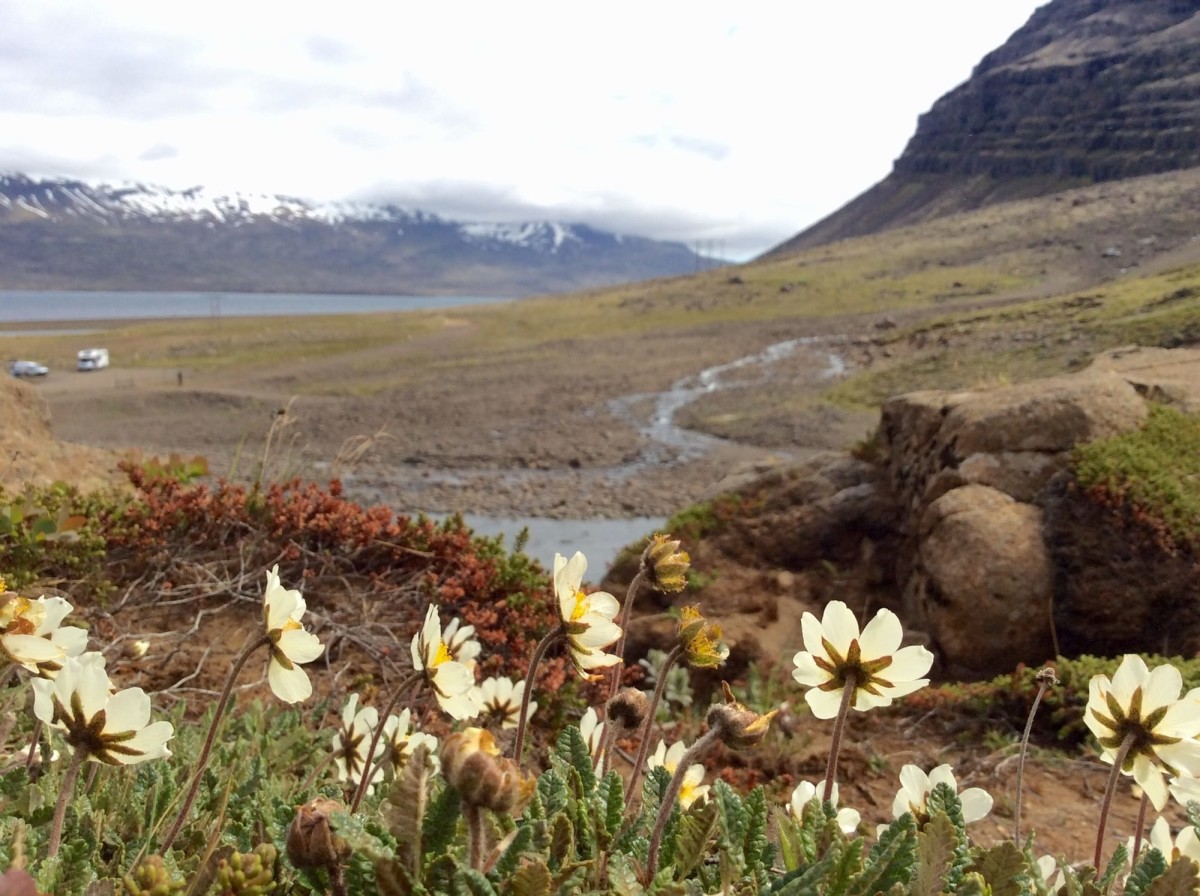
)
(17, 616)
(580, 608)
(443, 655)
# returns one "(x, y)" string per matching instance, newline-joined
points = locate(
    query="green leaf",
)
(802, 881)
(469, 882)
(846, 866)
(562, 840)
(392, 878)
(755, 842)
(732, 812)
(622, 876)
(521, 843)
(552, 788)
(571, 751)
(788, 831)
(1180, 879)
(407, 801)
(612, 792)
(695, 829)
(972, 884)
(935, 855)
(1004, 868)
(441, 821)
(943, 800)
(1115, 867)
(1150, 865)
(891, 860)
(531, 879)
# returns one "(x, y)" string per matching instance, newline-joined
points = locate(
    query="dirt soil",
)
(507, 441)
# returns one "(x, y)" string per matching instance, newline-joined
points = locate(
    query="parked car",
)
(27, 368)
(91, 359)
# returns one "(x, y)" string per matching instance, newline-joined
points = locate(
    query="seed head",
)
(701, 640)
(665, 565)
(628, 709)
(311, 841)
(472, 765)
(151, 878)
(249, 873)
(738, 726)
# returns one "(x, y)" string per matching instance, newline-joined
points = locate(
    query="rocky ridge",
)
(1087, 91)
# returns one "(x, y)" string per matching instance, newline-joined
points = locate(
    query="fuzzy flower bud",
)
(738, 726)
(151, 878)
(472, 765)
(311, 841)
(664, 564)
(701, 640)
(249, 873)
(628, 709)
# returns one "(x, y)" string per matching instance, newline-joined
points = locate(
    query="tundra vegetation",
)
(486, 736)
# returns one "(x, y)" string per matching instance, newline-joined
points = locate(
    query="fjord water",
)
(22, 306)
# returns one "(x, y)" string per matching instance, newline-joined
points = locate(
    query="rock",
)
(1013, 438)
(983, 584)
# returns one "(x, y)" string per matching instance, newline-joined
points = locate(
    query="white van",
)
(91, 359)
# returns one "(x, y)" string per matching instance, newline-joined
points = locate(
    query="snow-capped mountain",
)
(68, 234)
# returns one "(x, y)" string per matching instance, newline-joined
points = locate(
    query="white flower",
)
(291, 645)
(1185, 843)
(404, 741)
(111, 728)
(451, 680)
(916, 787)
(806, 792)
(1051, 873)
(588, 617)
(1145, 706)
(835, 651)
(350, 743)
(32, 635)
(500, 699)
(592, 730)
(461, 643)
(691, 789)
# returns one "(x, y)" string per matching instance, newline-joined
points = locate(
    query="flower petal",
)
(824, 704)
(127, 710)
(29, 650)
(976, 803)
(840, 625)
(909, 664)
(1161, 688)
(300, 646)
(881, 636)
(1147, 774)
(150, 742)
(812, 632)
(1130, 675)
(603, 604)
(807, 673)
(289, 685)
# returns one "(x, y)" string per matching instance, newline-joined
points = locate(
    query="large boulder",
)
(983, 583)
(1013, 439)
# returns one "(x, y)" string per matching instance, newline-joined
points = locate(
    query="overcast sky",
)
(735, 123)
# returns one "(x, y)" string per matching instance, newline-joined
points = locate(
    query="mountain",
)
(67, 234)
(1086, 91)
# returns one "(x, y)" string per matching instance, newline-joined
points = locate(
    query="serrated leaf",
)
(531, 879)
(732, 811)
(847, 863)
(562, 840)
(612, 792)
(754, 843)
(553, 792)
(521, 843)
(1150, 865)
(469, 882)
(972, 884)
(802, 881)
(1116, 866)
(892, 859)
(392, 878)
(622, 876)
(441, 821)
(695, 829)
(407, 802)
(571, 751)
(935, 855)
(1180, 879)
(1004, 869)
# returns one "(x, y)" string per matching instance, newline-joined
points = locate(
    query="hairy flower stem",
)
(1141, 826)
(618, 669)
(644, 746)
(835, 744)
(35, 746)
(202, 761)
(1043, 683)
(668, 801)
(1118, 761)
(64, 797)
(365, 781)
(475, 835)
(539, 654)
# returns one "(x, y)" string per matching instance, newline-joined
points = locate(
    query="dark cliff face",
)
(1086, 91)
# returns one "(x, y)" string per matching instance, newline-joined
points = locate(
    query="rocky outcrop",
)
(964, 521)
(1087, 91)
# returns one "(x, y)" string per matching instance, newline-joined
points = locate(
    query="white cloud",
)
(687, 120)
